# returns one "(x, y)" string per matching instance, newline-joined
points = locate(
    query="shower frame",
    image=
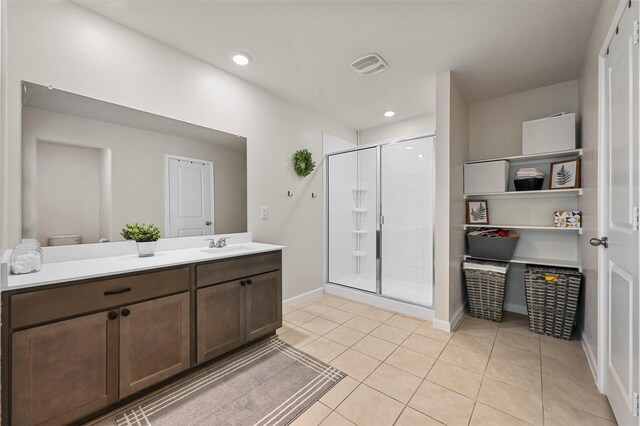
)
(380, 218)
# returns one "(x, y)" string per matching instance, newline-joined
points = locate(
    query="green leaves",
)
(141, 233)
(303, 163)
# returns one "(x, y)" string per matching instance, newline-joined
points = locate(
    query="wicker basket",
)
(552, 299)
(485, 289)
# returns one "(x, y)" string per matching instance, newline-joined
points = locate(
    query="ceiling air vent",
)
(369, 64)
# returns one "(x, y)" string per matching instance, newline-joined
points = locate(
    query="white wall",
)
(138, 165)
(588, 203)
(405, 129)
(61, 44)
(495, 125)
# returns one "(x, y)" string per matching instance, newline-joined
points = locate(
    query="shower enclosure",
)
(380, 220)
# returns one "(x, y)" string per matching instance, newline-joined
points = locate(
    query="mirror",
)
(90, 167)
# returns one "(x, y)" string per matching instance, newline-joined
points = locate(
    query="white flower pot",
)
(146, 249)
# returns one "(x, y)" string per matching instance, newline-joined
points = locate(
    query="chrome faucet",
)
(221, 242)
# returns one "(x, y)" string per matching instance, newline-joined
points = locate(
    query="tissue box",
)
(549, 134)
(487, 177)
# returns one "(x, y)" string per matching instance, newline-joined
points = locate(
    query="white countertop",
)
(74, 270)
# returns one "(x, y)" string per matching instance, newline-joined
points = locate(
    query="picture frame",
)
(565, 174)
(477, 212)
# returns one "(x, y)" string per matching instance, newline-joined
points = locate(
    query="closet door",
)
(407, 208)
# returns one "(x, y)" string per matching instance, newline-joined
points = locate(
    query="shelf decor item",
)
(477, 212)
(552, 299)
(144, 235)
(485, 282)
(486, 177)
(567, 219)
(565, 174)
(492, 243)
(303, 163)
(549, 134)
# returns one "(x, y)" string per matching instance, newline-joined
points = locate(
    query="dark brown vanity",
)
(73, 350)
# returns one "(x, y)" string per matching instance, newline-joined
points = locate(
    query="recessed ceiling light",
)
(389, 114)
(241, 58)
(409, 147)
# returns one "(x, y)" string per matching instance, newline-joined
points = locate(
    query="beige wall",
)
(588, 203)
(405, 129)
(495, 125)
(70, 48)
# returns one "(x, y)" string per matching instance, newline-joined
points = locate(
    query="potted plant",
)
(144, 235)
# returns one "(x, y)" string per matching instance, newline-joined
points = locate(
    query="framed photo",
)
(565, 174)
(477, 212)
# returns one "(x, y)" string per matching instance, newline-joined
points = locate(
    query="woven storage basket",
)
(485, 289)
(552, 299)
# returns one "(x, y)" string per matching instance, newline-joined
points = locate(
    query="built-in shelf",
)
(545, 156)
(546, 193)
(526, 227)
(360, 231)
(535, 261)
(359, 189)
(360, 210)
(359, 253)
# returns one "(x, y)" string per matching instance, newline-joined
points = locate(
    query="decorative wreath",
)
(303, 164)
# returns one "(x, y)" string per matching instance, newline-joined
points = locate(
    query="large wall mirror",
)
(90, 167)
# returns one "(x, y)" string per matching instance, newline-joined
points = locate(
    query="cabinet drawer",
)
(229, 270)
(61, 302)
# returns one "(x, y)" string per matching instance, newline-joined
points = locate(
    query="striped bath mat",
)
(270, 384)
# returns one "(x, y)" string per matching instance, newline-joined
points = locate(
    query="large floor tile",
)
(317, 309)
(313, 416)
(530, 343)
(568, 370)
(339, 392)
(335, 419)
(374, 347)
(517, 356)
(563, 352)
(355, 364)
(362, 324)
(319, 325)
(472, 343)
(481, 322)
(394, 382)
(376, 314)
(427, 329)
(455, 378)
(367, 406)
(583, 398)
(513, 374)
(285, 328)
(442, 404)
(324, 349)
(465, 358)
(298, 337)
(474, 329)
(558, 414)
(483, 415)
(334, 301)
(411, 361)
(390, 334)
(424, 345)
(344, 335)
(354, 307)
(411, 417)
(405, 323)
(516, 402)
(299, 317)
(338, 315)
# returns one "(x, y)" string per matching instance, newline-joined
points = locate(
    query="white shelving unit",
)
(359, 194)
(540, 242)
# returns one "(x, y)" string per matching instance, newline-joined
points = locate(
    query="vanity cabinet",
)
(263, 304)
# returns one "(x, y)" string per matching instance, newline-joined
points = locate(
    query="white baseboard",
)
(592, 360)
(380, 302)
(453, 322)
(518, 309)
(302, 297)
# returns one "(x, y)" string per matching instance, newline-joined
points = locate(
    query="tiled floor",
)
(402, 371)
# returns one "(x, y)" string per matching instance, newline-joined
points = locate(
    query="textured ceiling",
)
(302, 49)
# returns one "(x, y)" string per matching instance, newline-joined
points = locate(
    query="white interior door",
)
(621, 228)
(190, 195)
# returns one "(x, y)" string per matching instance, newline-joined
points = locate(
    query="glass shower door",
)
(353, 212)
(407, 197)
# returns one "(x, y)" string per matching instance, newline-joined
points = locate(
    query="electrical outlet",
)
(264, 212)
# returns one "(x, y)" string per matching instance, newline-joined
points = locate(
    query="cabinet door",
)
(64, 370)
(264, 304)
(154, 341)
(221, 319)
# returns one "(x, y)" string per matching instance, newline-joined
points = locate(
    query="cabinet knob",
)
(249, 282)
(113, 315)
(243, 282)
(125, 312)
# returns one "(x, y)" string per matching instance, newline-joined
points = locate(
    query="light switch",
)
(264, 212)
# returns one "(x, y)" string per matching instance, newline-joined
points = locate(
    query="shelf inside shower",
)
(360, 210)
(359, 253)
(359, 189)
(360, 231)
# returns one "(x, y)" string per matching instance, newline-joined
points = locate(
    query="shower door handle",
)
(381, 220)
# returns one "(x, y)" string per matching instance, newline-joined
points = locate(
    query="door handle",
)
(208, 223)
(604, 241)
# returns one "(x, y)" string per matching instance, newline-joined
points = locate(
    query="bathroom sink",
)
(227, 249)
